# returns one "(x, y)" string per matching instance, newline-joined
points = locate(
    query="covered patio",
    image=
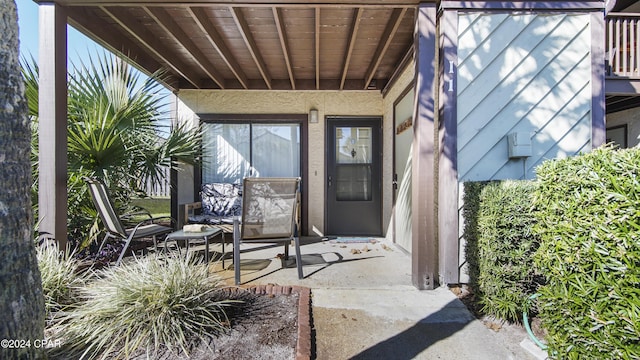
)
(327, 263)
(419, 71)
(347, 46)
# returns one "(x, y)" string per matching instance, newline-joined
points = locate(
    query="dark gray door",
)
(353, 186)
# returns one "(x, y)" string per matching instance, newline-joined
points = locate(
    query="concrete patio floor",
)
(364, 305)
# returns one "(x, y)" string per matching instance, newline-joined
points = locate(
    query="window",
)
(234, 150)
(353, 163)
(618, 136)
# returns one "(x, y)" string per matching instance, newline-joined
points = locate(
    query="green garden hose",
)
(525, 320)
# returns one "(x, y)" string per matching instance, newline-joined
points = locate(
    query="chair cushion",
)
(221, 200)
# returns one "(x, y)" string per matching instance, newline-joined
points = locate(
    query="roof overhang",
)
(262, 45)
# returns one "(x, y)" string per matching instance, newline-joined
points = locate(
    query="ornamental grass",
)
(150, 305)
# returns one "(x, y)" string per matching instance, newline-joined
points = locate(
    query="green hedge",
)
(588, 217)
(500, 245)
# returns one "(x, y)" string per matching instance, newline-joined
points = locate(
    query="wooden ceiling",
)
(259, 45)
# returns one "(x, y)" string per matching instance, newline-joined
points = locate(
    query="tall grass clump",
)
(150, 305)
(588, 217)
(61, 278)
(500, 245)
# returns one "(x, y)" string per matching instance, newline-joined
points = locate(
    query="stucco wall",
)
(631, 118)
(328, 103)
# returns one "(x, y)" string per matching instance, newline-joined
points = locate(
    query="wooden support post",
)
(424, 253)
(448, 238)
(598, 107)
(52, 192)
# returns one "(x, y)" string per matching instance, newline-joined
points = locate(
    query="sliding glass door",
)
(275, 150)
(233, 151)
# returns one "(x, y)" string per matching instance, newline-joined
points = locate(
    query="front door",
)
(353, 184)
(402, 146)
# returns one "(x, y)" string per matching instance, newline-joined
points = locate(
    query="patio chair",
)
(269, 215)
(219, 204)
(113, 224)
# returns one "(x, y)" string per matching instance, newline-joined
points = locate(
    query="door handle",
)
(329, 181)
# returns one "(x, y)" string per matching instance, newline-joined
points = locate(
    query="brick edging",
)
(303, 344)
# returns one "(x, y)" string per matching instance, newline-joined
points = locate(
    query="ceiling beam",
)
(151, 42)
(172, 29)
(284, 43)
(254, 3)
(216, 40)
(406, 61)
(252, 46)
(383, 45)
(616, 104)
(317, 43)
(116, 42)
(355, 23)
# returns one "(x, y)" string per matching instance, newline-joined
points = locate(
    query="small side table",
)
(205, 235)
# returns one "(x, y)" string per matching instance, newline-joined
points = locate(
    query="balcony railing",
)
(622, 51)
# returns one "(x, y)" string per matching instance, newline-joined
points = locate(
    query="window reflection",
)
(353, 145)
(353, 163)
(235, 151)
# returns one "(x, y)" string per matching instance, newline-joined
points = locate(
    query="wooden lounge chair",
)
(269, 215)
(113, 224)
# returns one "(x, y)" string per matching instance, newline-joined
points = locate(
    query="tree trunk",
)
(21, 299)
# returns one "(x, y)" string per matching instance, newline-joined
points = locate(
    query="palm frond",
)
(30, 73)
(115, 116)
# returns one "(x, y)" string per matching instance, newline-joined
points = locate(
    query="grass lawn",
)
(156, 206)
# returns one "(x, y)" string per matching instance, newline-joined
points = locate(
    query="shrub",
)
(470, 210)
(588, 217)
(147, 305)
(61, 278)
(500, 245)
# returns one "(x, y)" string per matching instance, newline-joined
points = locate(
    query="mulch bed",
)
(303, 331)
(274, 322)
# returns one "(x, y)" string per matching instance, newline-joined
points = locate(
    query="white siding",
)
(521, 73)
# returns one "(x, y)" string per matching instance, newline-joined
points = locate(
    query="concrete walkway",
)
(365, 307)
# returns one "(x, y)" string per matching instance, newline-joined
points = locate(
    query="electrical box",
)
(519, 145)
